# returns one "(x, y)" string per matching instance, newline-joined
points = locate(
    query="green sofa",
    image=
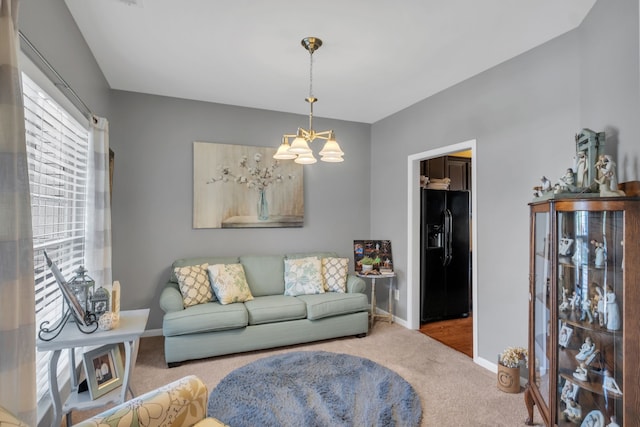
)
(271, 319)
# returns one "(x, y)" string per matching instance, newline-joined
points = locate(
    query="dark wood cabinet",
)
(584, 324)
(458, 169)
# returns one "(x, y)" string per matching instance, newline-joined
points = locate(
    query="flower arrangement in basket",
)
(514, 357)
(509, 364)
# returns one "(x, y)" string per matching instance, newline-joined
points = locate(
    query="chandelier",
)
(299, 148)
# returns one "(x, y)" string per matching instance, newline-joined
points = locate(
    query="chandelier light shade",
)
(299, 148)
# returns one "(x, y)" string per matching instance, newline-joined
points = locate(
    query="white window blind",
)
(57, 157)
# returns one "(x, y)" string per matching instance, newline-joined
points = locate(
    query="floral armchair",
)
(182, 403)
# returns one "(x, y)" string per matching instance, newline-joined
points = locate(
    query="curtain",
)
(17, 294)
(98, 224)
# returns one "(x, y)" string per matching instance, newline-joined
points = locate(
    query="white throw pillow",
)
(334, 274)
(194, 284)
(230, 283)
(303, 276)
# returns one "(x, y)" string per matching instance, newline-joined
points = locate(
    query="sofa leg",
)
(361, 335)
(173, 364)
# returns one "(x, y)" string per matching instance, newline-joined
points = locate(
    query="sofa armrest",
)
(171, 298)
(355, 284)
(180, 403)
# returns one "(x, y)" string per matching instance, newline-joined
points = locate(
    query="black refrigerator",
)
(445, 255)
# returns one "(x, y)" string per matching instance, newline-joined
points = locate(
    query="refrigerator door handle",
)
(448, 237)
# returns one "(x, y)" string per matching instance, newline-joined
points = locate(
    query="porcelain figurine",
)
(609, 383)
(581, 372)
(586, 310)
(611, 310)
(573, 411)
(600, 253)
(586, 349)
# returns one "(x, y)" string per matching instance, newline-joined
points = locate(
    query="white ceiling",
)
(378, 56)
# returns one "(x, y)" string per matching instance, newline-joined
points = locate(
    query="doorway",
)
(413, 238)
(445, 269)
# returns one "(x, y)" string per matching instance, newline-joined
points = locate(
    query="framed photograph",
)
(565, 335)
(373, 252)
(103, 369)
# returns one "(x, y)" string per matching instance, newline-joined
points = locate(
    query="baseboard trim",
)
(152, 333)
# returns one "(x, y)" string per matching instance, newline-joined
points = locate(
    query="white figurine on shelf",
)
(613, 422)
(573, 412)
(611, 310)
(601, 253)
(586, 349)
(609, 383)
(586, 310)
(581, 372)
(582, 170)
(574, 301)
(600, 305)
(607, 178)
(565, 302)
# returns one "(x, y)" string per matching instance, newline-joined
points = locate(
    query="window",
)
(57, 147)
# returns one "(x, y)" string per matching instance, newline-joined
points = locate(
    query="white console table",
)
(132, 325)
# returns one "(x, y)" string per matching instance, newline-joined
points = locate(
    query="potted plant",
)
(509, 363)
(367, 263)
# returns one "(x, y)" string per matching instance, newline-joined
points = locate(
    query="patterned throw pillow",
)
(229, 283)
(194, 284)
(303, 276)
(334, 274)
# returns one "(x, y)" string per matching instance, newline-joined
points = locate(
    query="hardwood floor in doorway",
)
(455, 333)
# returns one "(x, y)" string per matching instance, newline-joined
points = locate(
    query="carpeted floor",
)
(315, 388)
(454, 391)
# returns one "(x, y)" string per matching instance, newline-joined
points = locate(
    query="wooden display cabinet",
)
(584, 312)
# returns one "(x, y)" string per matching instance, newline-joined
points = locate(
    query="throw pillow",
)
(229, 283)
(303, 276)
(194, 284)
(334, 274)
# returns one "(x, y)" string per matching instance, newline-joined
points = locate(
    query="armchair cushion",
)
(180, 403)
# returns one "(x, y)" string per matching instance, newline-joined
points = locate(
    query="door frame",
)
(413, 233)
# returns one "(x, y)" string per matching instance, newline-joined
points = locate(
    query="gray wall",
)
(50, 27)
(524, 114)
(152, 211)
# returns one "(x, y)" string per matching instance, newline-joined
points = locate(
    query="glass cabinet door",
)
(589, 328)
(541, 304)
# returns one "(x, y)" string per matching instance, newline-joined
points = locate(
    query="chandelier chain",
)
(311, 75)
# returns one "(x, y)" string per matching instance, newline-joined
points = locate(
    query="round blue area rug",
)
(314, 388)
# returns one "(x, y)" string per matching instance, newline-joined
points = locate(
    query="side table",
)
(373, 277)
(131, 327)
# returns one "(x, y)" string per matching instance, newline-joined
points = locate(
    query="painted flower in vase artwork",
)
(254, 175)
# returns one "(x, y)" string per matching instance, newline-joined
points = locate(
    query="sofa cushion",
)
(194, 284)
(334, 304)
(303, 276)
(334, 274)
(229, 283)
(265, 274)
(275, 308)
(208, 317)
(200, 260)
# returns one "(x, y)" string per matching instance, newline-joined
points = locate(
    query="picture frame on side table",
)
(104, 369)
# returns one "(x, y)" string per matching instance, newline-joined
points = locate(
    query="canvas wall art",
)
(240, 186)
